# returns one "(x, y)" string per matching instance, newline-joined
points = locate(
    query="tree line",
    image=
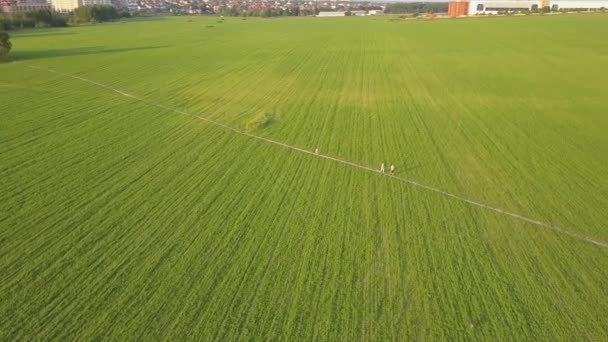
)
(97, 14)
(46, 18)
(39, 18)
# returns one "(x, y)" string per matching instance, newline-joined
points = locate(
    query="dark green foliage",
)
(94, 13)
(5, 44)
(59, 20)
(5, 22)
(16, 21)
(40, 18)
(260, 121)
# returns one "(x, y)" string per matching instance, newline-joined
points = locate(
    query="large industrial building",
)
(481, 7)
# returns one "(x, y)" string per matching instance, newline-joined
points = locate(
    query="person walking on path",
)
(392, 169)
(382, 168)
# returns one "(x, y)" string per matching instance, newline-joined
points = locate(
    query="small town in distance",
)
(263, 8)
(269, 8)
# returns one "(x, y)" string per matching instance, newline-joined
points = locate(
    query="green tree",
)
(94, 13)
(42, 17)
(5, 44)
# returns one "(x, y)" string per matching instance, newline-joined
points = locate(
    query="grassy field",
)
(121, 218)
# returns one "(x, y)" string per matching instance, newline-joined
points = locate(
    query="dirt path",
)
(341, 161)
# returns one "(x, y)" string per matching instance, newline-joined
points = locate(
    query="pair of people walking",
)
(392, 169)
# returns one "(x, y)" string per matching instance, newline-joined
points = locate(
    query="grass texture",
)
(120, 219)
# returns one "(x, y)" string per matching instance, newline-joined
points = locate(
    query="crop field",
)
(158, 180)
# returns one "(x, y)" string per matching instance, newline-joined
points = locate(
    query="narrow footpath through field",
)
(550, 226)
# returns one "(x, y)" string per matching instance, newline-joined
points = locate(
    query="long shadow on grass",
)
(404, 169)
(146, 18)
(45, 33)
(92, 50)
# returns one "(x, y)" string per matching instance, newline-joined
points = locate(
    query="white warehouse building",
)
(578, 4)
(331, 14)
(495, 6)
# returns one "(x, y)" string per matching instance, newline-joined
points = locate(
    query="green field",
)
(132, 217)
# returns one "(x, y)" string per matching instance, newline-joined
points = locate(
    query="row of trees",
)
(40, 18)
(417, 7)
(46, 18)
(96, 14)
